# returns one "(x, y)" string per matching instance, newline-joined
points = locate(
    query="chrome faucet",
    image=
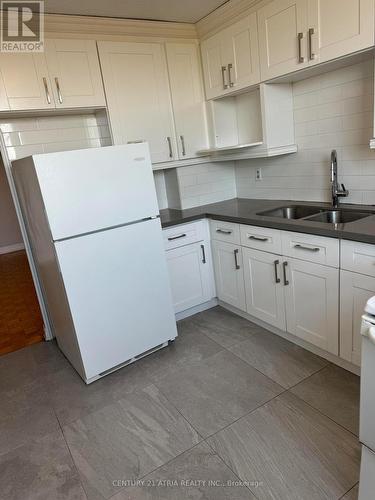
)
(337, 191)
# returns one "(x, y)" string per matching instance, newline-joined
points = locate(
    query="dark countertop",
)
(244, 211)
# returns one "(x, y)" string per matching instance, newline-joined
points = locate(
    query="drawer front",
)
(184, 234)
(261, 238)
(311, 248)
(225, 231)
(358, 257)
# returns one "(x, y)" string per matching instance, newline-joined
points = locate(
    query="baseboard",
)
(12, 248)
(197, 309)
(302, 343)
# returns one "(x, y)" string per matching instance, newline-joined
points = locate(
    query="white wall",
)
(10, 234)
(334, 110)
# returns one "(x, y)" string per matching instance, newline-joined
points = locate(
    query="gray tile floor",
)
(228, 412)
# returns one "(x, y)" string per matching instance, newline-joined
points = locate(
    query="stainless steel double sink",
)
(317, 214)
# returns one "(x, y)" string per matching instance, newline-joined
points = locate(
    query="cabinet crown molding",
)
(224, 16)
(114, 28)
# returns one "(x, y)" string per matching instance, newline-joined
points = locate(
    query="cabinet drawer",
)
(358, 257)
(261, 238)
(311, 248)
(225, 231)
(183, 234)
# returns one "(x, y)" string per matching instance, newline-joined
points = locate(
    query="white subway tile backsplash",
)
(331, 111)
(46, 134)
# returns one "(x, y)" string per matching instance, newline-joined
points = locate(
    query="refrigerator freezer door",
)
(92, 189)
(118, 290)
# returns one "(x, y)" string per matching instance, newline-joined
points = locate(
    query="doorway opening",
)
(21, 322)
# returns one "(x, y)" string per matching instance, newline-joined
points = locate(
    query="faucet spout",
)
(337, 191)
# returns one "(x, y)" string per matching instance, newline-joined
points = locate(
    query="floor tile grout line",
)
(227, 465)
(228, 349)
(308, 376)
(70, 453)
(173, 458)
(158, 467)
(324, 415)
(245, 415)
(243, 360)
(349, 490)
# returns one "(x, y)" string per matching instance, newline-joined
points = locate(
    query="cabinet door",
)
(215, 70)
(74, 69)
(264, 290)
(279, 25)
(187, 98)
(137, 89)
(312, 305)
(355, 290)
(26, 81)
(229, 274)
(340, 28)
(190, 277)
(241, 44)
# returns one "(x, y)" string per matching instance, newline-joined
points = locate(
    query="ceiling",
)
(186, 11)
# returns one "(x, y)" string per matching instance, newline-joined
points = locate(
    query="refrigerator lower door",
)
(367, 476)
(118, 291)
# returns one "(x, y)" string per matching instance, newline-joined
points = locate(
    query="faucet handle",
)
(344, 192)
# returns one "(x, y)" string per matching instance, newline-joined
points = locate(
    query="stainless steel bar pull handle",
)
(223, 70)
(170, 147)
(301, 59)
(276, 263)
(183, 145)
(48, 96)
(223, 231)
(257, 238)
(310, 249)
(177, 237)
(285, 265)
(203, 254)
(230, 67)
(59, 95)
(311, 53)
(236, 259)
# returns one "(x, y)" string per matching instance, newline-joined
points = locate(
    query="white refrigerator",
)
(93, 222)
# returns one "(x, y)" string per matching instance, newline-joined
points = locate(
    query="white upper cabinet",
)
(214, 66)
(138, 98)
(282, 26)
(26, 82)
(187, 98)
(66, 75)
(231, 58)
(243, 53)
(294, 34)
(74, 71)
(337, 28)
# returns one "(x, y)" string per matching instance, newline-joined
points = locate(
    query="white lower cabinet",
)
(229, 275)
(264, 290)
(190, 275)
(355, 290)
(312, 303)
